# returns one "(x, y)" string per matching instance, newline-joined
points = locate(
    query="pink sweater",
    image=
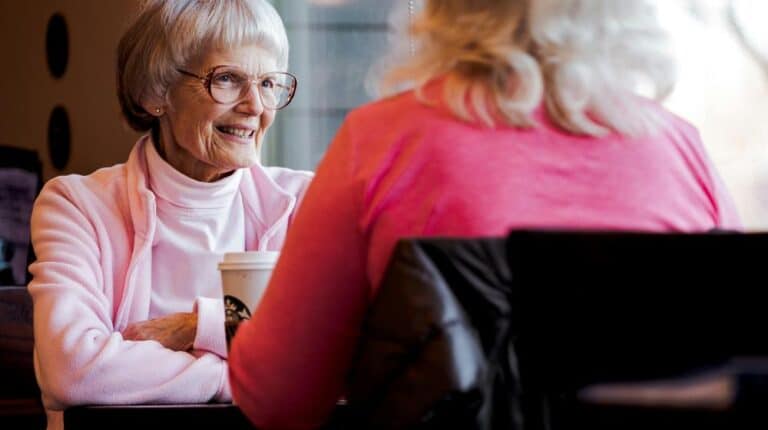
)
(93, 236)
(398, 168)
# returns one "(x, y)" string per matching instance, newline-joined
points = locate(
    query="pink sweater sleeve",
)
(210, 334)
(288, 364)
(80, 357)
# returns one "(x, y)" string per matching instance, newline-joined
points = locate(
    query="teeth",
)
(239, 132)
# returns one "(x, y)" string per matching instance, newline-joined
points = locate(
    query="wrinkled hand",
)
(174, 331)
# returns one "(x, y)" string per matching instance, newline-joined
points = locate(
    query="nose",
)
(252, 103)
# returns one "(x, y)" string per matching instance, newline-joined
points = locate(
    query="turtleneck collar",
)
(183, 192)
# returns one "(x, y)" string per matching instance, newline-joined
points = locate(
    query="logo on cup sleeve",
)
(236, 310)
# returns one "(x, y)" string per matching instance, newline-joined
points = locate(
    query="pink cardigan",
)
(93, 239)
(398, 168)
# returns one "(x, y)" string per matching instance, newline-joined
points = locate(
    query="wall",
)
(87, 89)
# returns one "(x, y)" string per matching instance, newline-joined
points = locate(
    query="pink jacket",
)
(93, 239)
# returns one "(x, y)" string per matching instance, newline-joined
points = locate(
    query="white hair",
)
(586, 60)
(168, 34)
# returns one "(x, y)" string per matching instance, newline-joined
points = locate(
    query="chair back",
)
(20, 405)
(603, 307)
(20, 182)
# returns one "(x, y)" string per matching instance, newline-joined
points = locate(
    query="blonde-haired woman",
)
(522, 114)
(127, 295)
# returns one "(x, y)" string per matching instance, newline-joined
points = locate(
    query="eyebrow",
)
(216, 66)
(236, 66)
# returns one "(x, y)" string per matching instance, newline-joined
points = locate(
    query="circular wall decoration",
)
(57, 45)
(59, 137)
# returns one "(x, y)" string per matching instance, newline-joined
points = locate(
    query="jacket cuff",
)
(225, 391)
(210, 326)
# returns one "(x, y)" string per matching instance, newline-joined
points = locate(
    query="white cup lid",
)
(249, 260)
(251, 257)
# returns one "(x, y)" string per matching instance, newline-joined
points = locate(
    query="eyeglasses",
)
(227, 84)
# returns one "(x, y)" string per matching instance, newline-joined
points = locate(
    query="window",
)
(334, 43)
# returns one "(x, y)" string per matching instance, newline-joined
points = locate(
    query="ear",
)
(154, 106)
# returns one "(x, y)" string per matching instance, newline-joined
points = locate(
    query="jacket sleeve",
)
(210, 335)
(80, 357)
(288, 364)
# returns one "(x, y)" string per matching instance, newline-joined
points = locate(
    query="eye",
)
(223, 77)
(227, 79)
(268, 83)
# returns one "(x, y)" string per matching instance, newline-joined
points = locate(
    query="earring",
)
(158, 110)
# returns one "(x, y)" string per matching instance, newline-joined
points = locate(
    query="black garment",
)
(437, 351)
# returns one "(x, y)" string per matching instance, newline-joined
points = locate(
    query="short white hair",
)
(168, 34)
(587, 60)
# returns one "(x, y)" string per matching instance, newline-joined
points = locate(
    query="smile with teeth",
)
(239, 132)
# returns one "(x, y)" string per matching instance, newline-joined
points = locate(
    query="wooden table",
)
(190, 416)
(145, 417)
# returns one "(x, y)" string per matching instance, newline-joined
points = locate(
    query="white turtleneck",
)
(197, 222)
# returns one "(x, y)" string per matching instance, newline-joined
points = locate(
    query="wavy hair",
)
(168, 34)
(585, 60)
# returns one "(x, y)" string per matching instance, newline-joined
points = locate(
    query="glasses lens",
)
(276, 89)
(227, 84)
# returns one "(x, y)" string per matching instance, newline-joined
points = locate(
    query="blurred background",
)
(58, 90)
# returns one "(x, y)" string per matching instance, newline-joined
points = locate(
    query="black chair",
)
(596, 308)
(20, 405)
(499, 334)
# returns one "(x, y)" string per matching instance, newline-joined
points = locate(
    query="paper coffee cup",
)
(244, 278)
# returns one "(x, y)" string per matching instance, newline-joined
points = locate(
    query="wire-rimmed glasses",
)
(229, 84)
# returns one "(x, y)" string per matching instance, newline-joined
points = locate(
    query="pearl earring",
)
(158, 110)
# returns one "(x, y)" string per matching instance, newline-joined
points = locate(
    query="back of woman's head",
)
(584, 59)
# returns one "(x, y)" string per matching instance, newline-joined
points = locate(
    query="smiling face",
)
(206, 140)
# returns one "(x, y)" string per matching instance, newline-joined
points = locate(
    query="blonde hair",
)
(585, 59)
(168, 34)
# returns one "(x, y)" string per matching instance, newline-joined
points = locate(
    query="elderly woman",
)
(524, 114)
(126, 289)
